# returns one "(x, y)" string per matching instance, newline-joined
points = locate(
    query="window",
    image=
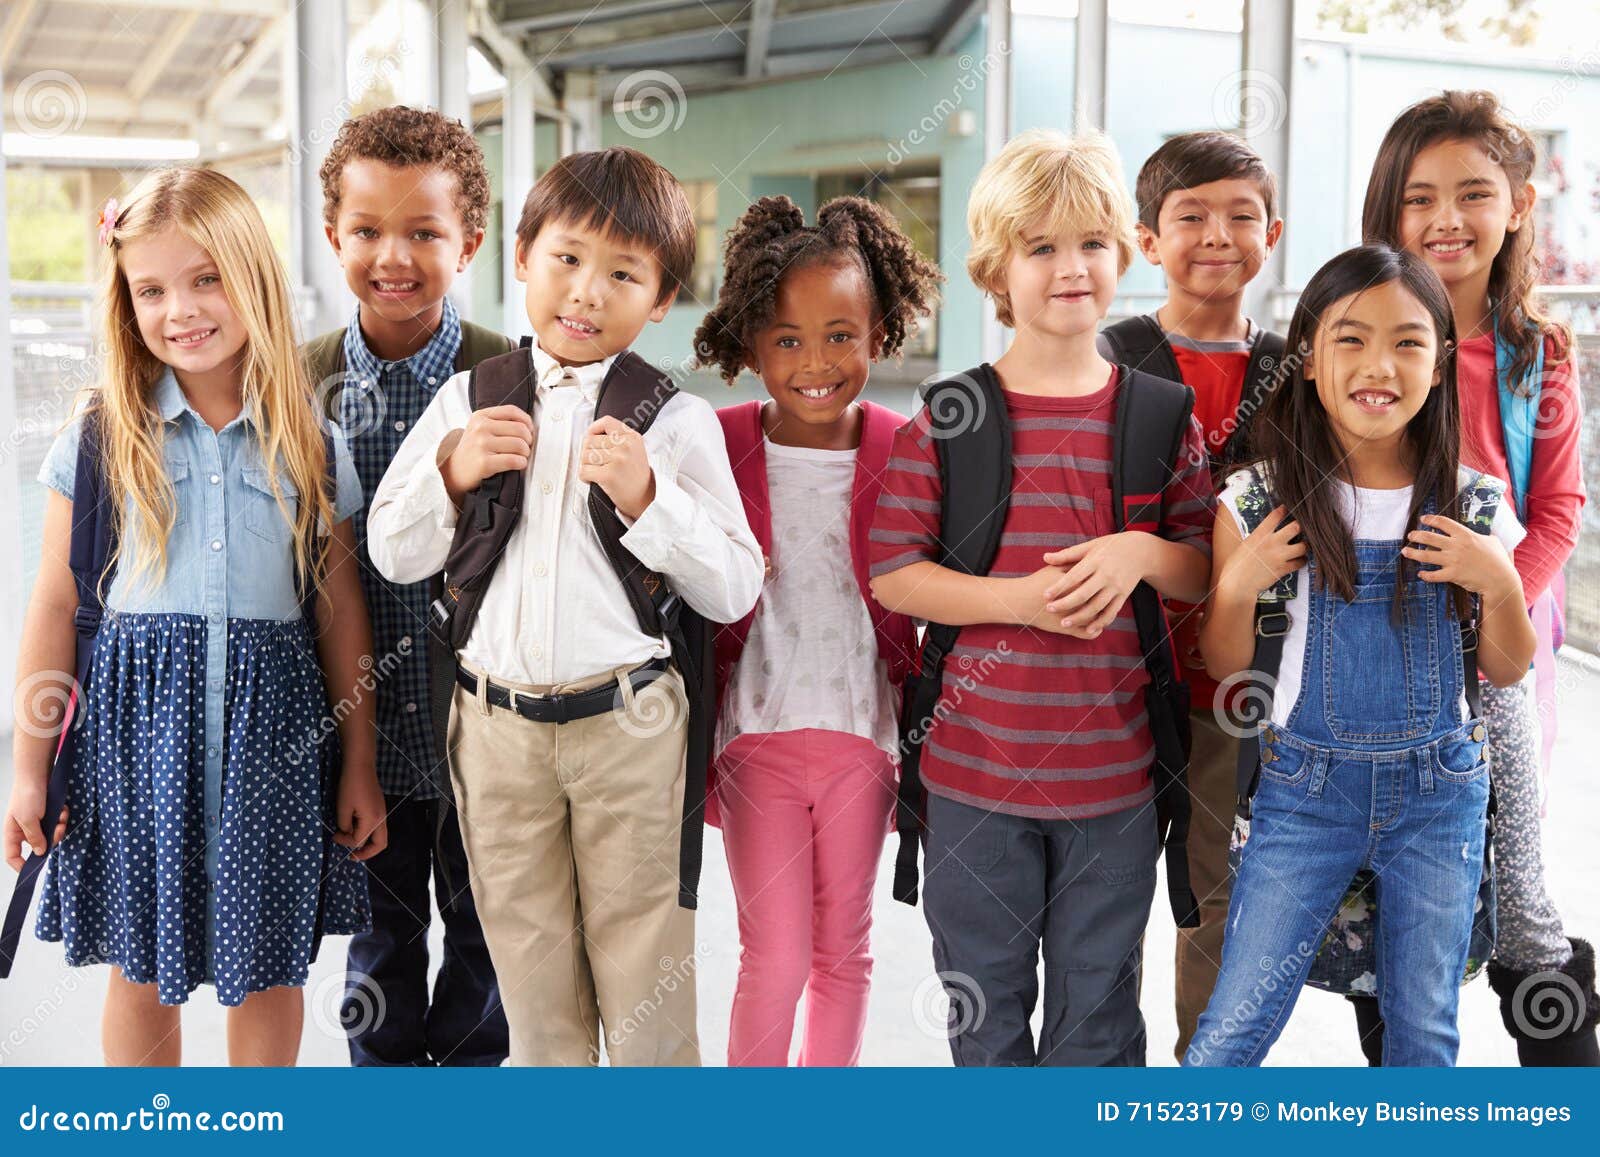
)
(702, 288)
(913, 197)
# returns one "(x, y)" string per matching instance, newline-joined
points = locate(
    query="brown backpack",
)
(633, 392)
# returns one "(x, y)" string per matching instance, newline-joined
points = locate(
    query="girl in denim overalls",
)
(1370, 759)
(211, 826)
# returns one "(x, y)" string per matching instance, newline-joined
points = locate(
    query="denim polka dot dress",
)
(200, 832)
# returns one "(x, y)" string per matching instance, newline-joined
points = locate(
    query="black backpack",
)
(1140, 342)
(973, 436)
(633, 392)
(92, 546)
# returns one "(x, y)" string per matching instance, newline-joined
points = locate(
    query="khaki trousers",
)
(571, 832)
(1213, 793)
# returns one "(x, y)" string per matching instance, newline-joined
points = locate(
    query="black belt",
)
(562, 708)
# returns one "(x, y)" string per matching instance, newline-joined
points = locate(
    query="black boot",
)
(1551, 1013)
(1369, 1027)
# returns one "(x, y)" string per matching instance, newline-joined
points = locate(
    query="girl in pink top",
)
(1452, 185)
(808, 683)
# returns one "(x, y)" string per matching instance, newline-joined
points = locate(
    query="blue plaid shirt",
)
(378, 405)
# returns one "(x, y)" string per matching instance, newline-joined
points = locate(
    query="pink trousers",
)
(804, 816)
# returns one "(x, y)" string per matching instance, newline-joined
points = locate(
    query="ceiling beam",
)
(11, 35)
(523, 19)
(268, 41)
(759, 39)
(166, 47)
(959, 19)
(113, 106)
(210, 7)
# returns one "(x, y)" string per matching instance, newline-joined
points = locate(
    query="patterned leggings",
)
(1529, 935)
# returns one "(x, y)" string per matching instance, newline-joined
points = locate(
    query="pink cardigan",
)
(897, 639)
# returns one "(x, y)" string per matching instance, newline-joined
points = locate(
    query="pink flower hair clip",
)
(108, 221)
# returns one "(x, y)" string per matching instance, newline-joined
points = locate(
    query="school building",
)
(897, 100)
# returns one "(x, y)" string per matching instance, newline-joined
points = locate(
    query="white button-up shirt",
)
(555, 611)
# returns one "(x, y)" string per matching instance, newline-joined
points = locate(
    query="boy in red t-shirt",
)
(1041, 828)
(1208, 217)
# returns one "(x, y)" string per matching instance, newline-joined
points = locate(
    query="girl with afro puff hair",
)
(803, 785)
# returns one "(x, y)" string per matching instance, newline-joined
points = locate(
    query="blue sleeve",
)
(347, 483)
(59, 471)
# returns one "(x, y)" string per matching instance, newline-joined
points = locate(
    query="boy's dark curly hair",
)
(773, 238)
(402, 136)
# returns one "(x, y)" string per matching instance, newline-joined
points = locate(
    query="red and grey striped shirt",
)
(1032, 723)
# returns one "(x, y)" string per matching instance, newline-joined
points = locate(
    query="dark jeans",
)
(1000, 887)
(386, 1006)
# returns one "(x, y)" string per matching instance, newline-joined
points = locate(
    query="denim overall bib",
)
(1377, 769)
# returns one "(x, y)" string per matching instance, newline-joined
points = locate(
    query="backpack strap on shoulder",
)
(488, 516)
(1141, 344)
(1151, 422)
(1271, 628)
(1265, 370)
(972, 433)
(634, 392)
(1477, 503)
(92, 545)
(479, 344)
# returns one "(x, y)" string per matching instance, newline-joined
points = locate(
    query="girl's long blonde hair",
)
(219, 216)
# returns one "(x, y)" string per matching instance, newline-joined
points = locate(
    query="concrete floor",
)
(49, 1014)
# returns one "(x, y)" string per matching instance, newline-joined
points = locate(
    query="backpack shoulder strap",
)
(305, 589)
(479, 344)
(1519, 414)
(1151, 421)
(972, 434)
(1261, 378)
(1255, 502)
(505, 379)
(324, 358)
(634, 393)
(1477, 503)
(1140, 342)
(324, 355)
(88, 555)
(1152, 418)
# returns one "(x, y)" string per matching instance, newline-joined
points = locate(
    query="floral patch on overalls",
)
(1347, 960)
